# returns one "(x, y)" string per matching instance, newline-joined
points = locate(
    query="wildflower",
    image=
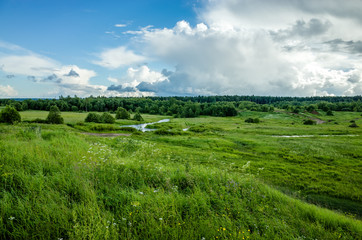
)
(156, 190)
(203, 238)
(124, 219)
(160, 219)
(11, 218)
(223, 229)
(114, 224)
(141, 193)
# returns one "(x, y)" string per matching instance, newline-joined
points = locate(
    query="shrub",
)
(10, 115)
(122, 113)
(54, 116)
(309, 122)
(353, 125)
(93, 117)
(163, 131)
(138, 117)
(103, 127)
(128, 129)
(252, 120)
(107, 118)
(330, 113)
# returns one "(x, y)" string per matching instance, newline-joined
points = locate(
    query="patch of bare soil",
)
(106, 134)
(317, 120)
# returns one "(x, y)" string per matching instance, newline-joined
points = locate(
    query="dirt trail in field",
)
(317, 120)
(106, 134)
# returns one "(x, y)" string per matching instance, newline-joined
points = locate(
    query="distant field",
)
(74, 117)
(223, 178)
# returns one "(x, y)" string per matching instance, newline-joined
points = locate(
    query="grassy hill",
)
(222, 179)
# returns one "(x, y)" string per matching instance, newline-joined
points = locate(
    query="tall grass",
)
(57, 184)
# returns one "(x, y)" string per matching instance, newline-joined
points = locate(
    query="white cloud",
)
(34, 65)
(118, 57)
(112, 79)
(260, 47)
(120, 25)
(7, 91)
(66, 79)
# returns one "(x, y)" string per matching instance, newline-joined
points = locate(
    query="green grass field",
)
(221, 179)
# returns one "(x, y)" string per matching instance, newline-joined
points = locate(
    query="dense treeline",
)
(190, 106)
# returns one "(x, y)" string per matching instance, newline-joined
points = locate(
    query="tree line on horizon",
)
(221, 106)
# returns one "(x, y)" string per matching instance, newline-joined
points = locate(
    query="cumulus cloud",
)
(71, 73)
(27, 64)
(118, 57)
(136, 77)
(259, 47)
(7, 91)
(66, 79)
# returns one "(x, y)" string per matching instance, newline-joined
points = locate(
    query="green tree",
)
(107, 118)
(54, 116)
(10, 115)
(122, 113)
(138, 117)
(18, 106)
(330, 113)
(93, 117)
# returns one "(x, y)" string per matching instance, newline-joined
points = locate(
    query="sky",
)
(180, 48)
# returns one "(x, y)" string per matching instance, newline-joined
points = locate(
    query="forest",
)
(188, 107)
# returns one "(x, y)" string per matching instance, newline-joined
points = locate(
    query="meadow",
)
(223, 178)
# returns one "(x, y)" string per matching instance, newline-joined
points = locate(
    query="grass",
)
(226, 180)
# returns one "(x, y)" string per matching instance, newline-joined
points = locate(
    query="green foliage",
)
(10, 115)
(138, 117)
(252, 120)
(103, 127)
(96, 118)
(122, 113)
(54, 116)
(93, 117)
(329, 113)
(309, 122)
(74, 109)
(107, 118)
(353, 125)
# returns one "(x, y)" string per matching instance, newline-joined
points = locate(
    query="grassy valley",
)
(223, 178)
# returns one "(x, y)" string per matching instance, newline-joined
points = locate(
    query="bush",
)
(330, 113)
(309, 122)
(128, 129)
(10, 115)
(353, 125)
(103, 127)
(122, 113)
(93, 117)
(54, 116)
(107, 118)
(252, 120)
(138, 117)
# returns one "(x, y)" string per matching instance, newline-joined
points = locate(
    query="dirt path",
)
(106, 134)
(317, 120)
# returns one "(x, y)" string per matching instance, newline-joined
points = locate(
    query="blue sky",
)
(180, 47)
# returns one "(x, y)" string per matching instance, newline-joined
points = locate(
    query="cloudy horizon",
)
(184, 48)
